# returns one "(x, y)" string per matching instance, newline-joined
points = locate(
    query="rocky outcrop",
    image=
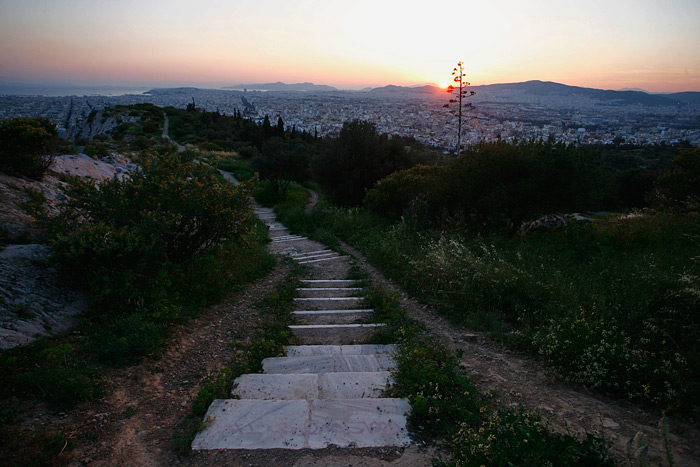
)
(34, 300)
(17, 218)
(98, 125)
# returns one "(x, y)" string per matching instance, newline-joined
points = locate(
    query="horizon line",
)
(221, 85)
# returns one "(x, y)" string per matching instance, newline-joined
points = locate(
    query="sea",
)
(59, 91)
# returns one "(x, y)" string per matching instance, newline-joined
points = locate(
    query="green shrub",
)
(680, 188)
(28, 146)
(514, 436)
(394, 195)
(493, 187)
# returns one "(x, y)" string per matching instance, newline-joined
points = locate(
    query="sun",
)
(443, 84)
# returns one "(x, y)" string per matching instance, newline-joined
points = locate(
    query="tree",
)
(279, 131)
(266, 128)
(461, 93)
(356, 160)
(28, 146)
(283, 162)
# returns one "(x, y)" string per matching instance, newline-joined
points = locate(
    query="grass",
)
(478, 429)
(611, 305)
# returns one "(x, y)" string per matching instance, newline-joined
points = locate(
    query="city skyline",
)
(608, 45)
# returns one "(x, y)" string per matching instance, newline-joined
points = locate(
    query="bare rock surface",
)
(34, 301)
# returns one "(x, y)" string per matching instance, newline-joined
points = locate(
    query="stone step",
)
(329, 281)
(333, 316)
(329, 334)
(306, 253)
(328, 254)
(321, 260)
(327, 292)
(312, 254)
(328, 364)
(327, 303)
(310, 386)
(287, 238)
(299, 424)
(317, 350)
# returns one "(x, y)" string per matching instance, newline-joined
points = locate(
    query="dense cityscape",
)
(500, 111)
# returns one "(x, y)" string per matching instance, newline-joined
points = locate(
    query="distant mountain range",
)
(528, 91)
(550, 89)
(511, 91)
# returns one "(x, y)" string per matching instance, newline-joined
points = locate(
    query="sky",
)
(611, 44)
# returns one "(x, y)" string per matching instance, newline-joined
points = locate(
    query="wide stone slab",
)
(317, 350)
(333, 316)
(311, 386)
(328, 303)
(277, 386)
(287, 365)
(343, 334)
(331, 292)
(328, 364)
(362, 385)
(256, 424)
(359, 423)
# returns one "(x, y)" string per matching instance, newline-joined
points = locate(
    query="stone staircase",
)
(324, 392)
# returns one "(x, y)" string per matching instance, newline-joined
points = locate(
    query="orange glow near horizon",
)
(352, 45)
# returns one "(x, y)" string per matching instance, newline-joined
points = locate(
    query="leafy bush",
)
(478, 429)
(494, 186)
(140, 236)
(515, 436)
(680, 188)
(28, 146)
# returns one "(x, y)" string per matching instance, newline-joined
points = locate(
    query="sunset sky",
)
(610, 44)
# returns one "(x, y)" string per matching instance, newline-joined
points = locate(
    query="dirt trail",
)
(494, 368)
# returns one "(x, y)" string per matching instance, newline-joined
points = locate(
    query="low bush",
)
(478, 429)
(138, 234)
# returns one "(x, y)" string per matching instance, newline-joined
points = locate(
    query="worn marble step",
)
(328, 292)
(333, 316)
(319, 350)
(330, 334)
(299, 424)
(328, 364)
(328, 283)
(302, 257)
(311, 386)
(328, 303)
(286, 238)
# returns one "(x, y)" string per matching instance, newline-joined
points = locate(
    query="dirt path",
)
(494, 368)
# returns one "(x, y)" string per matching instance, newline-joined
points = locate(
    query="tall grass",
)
(613, 304)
